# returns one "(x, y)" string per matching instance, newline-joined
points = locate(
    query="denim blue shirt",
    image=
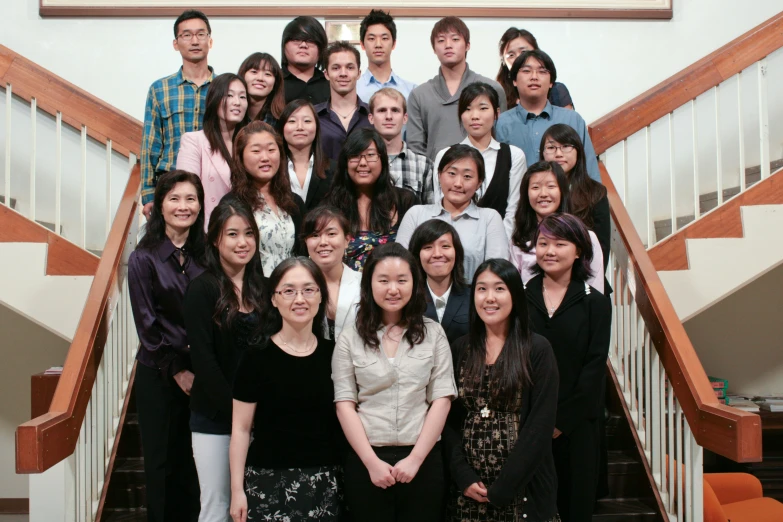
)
(524, 129)
(369, 85)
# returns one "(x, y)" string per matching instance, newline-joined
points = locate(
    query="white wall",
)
(26, 349)
(604, 62)
(740, 338)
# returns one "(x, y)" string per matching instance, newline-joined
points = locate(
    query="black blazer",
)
(530, 467)
(579, 332)
(213, 351)
(300, 249)
(456, 315)
(319, 187)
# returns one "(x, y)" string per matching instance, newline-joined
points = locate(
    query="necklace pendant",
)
(485, 412)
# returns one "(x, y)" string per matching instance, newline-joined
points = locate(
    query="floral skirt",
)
(293, 495)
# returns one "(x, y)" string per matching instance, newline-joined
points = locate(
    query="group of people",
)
(365, 300)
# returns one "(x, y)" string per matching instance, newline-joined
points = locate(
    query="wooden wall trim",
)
(52, 93)
(723, 430)
(687, 84)
(724, 221)
(14, 506)
(360, 12)
(48, 439)
(62, 256)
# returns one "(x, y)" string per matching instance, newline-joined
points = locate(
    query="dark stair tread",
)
(624, 510)
(129, 464)
(125, 515)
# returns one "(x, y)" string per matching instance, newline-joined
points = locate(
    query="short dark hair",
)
(450, 23)
(191, 14)
(341, 46)
(462, 151)
(378, 17)
(368, 318)
(539, 55)
(568, 228)
(525, 219)
(317, 219)
(473, 91)
(307, 29)
(428, 232)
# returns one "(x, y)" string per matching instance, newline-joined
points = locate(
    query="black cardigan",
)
(579, 332)
(213, 351)
(530, 467)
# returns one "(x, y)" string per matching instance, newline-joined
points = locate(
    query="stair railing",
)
(699, 137)
(66, 154)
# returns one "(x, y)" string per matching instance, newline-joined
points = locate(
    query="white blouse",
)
(277, 237)
(295, 186)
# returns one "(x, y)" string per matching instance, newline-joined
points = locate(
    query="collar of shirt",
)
(443, 88)
(325, 107)
(493, 144)
(167, 249)
(472, 211)
(525, 115)
(291, 163)
(369, 78)
(180, 78)
(444, 297)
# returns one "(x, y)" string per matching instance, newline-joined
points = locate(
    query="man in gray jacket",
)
(433, 122)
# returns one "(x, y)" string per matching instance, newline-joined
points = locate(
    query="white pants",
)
(211, 455)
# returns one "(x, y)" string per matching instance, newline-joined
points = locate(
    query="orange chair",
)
(738, 497)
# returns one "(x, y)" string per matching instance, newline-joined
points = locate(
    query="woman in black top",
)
(223, 308)
(166, 259)
(576, 319)
(586, 197)
(285, 389)
(499, 429)
(309, 168)
(436, 246)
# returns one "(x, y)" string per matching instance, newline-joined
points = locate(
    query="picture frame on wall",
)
(655, 9)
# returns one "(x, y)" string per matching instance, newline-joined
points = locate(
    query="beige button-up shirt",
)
(393, 398)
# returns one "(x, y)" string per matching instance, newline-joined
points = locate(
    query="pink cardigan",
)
(196, 156)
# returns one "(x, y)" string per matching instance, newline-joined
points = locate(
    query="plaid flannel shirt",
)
(174, 106)
(412, 171)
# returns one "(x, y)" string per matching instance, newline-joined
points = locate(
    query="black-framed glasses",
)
(370, 157)
(565, 149)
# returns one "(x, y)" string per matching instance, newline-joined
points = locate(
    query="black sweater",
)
(579, 332)
(530, 467)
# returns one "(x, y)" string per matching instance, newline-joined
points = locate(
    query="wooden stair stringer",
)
(722, 222)
(63, 258)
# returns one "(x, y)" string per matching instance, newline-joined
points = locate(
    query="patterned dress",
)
(277, 237)
(363, 243)
(489, 433)
(294, 495)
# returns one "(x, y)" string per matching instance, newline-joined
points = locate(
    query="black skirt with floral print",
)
(294, 495)
(489, 433)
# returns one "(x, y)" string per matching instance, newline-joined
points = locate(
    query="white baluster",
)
(58, 171)
(672, 180)
(83, 191)
(696, 193)
(680, 486)
(763, 119)
(648, 185)
(741, 133)
(9, 98)
(719, 157)
(33, 120)
(109, 208)
(625, 172)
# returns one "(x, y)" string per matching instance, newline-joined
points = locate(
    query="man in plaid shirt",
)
(388, 114)
(175, 104)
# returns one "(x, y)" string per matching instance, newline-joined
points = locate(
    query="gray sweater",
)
(433, 122)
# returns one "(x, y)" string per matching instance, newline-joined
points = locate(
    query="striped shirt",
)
(170, 112)
(412, 171)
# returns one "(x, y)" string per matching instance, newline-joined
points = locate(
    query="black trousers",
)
(421, 500)
(170, 472)
(577, 463)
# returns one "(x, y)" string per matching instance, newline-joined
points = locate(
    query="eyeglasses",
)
(541, 71)
(188, 36)
(298, 43)
(370, 157)
(289, 294)
(565, 149)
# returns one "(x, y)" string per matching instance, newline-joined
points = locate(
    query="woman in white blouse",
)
(260, 178)
(325, 232)
(308, 166)
(545, 191)
(504, 164)
(393, 385)
(481, 230)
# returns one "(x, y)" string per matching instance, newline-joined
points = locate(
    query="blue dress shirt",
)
(369, 85)
(525, 129)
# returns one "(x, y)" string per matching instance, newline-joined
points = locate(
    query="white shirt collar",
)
(493, 143)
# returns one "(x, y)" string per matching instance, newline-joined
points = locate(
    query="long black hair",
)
(584, 192)
(525, 219)
(155, 229)
(511, 371)
(216, 98)
(428, 232)
(320, 160)
(369, 317)
(275, 102)
(273, 321)
(385, 200)
(253, 292)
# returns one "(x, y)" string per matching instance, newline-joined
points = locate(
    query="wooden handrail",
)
(687, 84)
(52, 93)
(723, 430)
(46, 440)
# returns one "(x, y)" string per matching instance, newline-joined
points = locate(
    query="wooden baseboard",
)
(14, 506)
